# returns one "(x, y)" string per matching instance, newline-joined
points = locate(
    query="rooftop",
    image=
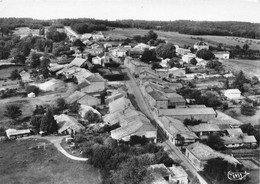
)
(187, 111)
(204, 127)
(239, 139)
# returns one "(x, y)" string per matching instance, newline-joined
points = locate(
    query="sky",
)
(210, 10)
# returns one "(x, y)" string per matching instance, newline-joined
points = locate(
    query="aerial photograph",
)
(129, 92)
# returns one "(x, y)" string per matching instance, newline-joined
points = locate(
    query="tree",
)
(165, 50)
(15, 75)
(217, 168)
(239, 81)
(74, 107)
(2, 131)
(213, 64)
(255, 80)
(191, 122)
(35, 123)
(48, 123)
(215, 142)
(148, 55)
(34, 59)
(32, 89)
(101, 155)
(151, 35)
(39, 109)
(92, 117)
(245, 46)
(205, 54)
(78, 43)
(193, 61)
(61, 104)
(131, 172)
(247, 109)
(13, 111)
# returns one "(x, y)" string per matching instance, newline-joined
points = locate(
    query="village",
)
(175, 107)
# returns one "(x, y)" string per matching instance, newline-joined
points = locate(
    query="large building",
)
(203, 114)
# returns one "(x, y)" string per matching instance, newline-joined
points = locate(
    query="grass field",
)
(183, 39)
(21, 165)
(249, 67)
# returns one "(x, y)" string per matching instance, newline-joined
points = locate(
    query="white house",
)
(233, 94)
(201, 45)
(187, 57)
(222, 55)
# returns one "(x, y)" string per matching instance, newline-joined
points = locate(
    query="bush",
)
(247, 109)
(32, 89)
(15, 75)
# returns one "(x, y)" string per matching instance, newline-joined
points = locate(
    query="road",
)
(69, 31)
(174, 152)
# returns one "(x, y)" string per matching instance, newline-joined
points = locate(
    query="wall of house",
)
(195, 162)
(162, 104)
(234, 145)
(202, 117)
(179, 180)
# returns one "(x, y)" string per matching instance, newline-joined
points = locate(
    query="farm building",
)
(67, 124)
(203, 114)
(13, 133)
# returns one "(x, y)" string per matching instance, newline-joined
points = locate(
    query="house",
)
(157, 100)
(119, 117)
(203, 130)
(182, 51)
(142, 46)
(115, 94)
(234, 131)
(67, 124)
(25, 76)
(89, 100)
(222, 55)
(203, 114)
(175, 100)
(120, 104)
(178, 175)
(162, 72)
(135, 66)
(235, 141)
(119, 52)
(199, 154)
(160, 174)
(83, 99)
(224, 119)
(13, 133)
(187, 57)
(95, 51)
(233, 94)
(97, 84)
(201, 45)
(78, 62)
(97, 60)
(176, 131)
(141, 127)
(176, 72)
(135, 53)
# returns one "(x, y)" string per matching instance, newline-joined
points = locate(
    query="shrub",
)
(247, 109)
(32, 89)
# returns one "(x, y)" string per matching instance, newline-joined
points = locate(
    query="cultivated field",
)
(249, 67)
(183, 39)
(20, 164)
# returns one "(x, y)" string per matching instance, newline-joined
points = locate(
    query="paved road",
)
(69, 31)
(56, 141)
(174, 152)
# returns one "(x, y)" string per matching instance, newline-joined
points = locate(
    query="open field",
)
(21, 165)
(27, 105)
(183, 39)
(24, 31)
(254, 120)
(6, 72)
(249, 67)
